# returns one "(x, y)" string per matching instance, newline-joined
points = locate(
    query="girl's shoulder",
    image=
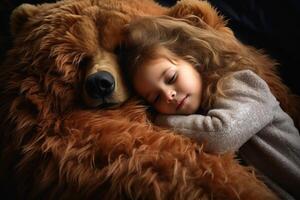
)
(247, 79)
(246, 88)
(248, 84)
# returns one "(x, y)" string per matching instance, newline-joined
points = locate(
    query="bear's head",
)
(63, 46)
(64, 52)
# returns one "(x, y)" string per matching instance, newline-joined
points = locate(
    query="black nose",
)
(100, 85)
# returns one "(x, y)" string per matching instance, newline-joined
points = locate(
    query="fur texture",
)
(53, 146)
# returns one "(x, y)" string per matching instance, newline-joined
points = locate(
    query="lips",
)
(181, 103)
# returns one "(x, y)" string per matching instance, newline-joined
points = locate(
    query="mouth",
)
(109, 106)
(182, 102)
(106, 104)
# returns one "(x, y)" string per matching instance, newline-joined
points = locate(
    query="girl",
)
(206, 86)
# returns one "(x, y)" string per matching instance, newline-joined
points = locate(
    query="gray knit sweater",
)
(248, 120)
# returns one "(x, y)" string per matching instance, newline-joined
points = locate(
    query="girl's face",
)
(171, 87)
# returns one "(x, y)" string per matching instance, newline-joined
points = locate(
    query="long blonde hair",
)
(220, 53)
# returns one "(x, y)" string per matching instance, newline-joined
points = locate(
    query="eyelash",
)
(156, 98)
(172, 79)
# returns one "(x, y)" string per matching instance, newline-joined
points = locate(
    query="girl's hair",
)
(219, 53)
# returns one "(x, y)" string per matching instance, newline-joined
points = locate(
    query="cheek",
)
(160, 108)
(195, 82)
(185, 83)
(164, 108)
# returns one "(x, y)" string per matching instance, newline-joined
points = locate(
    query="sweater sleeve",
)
(246, 108)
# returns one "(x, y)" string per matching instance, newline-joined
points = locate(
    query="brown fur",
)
(54, 147)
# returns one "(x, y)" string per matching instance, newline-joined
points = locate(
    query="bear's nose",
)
(100, 85)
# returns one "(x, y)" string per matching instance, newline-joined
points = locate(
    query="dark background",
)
(269, 25)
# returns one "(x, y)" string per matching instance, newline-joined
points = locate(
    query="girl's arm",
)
(234, 119)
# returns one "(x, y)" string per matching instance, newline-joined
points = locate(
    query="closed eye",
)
(156, 99)
(172, 79)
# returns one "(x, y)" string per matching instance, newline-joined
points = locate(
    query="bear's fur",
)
(55, 144)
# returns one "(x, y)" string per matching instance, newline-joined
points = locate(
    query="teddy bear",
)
(68, 129)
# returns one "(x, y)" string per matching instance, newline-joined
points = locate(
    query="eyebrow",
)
(149, 94)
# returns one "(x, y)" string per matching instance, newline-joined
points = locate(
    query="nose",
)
(100, 85)
(171, 96)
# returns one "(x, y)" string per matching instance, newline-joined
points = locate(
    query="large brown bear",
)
(55, 141)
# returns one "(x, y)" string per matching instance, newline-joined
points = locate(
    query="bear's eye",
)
(84, 62)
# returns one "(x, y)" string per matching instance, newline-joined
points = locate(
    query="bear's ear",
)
(200, 14)
(20, 16)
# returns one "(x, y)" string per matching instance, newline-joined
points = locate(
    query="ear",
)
(20, 16)
(203, 10)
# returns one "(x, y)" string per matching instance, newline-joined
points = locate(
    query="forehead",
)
(154, 69)
(147, 77)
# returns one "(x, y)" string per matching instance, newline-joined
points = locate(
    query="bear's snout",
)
(100, 85)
